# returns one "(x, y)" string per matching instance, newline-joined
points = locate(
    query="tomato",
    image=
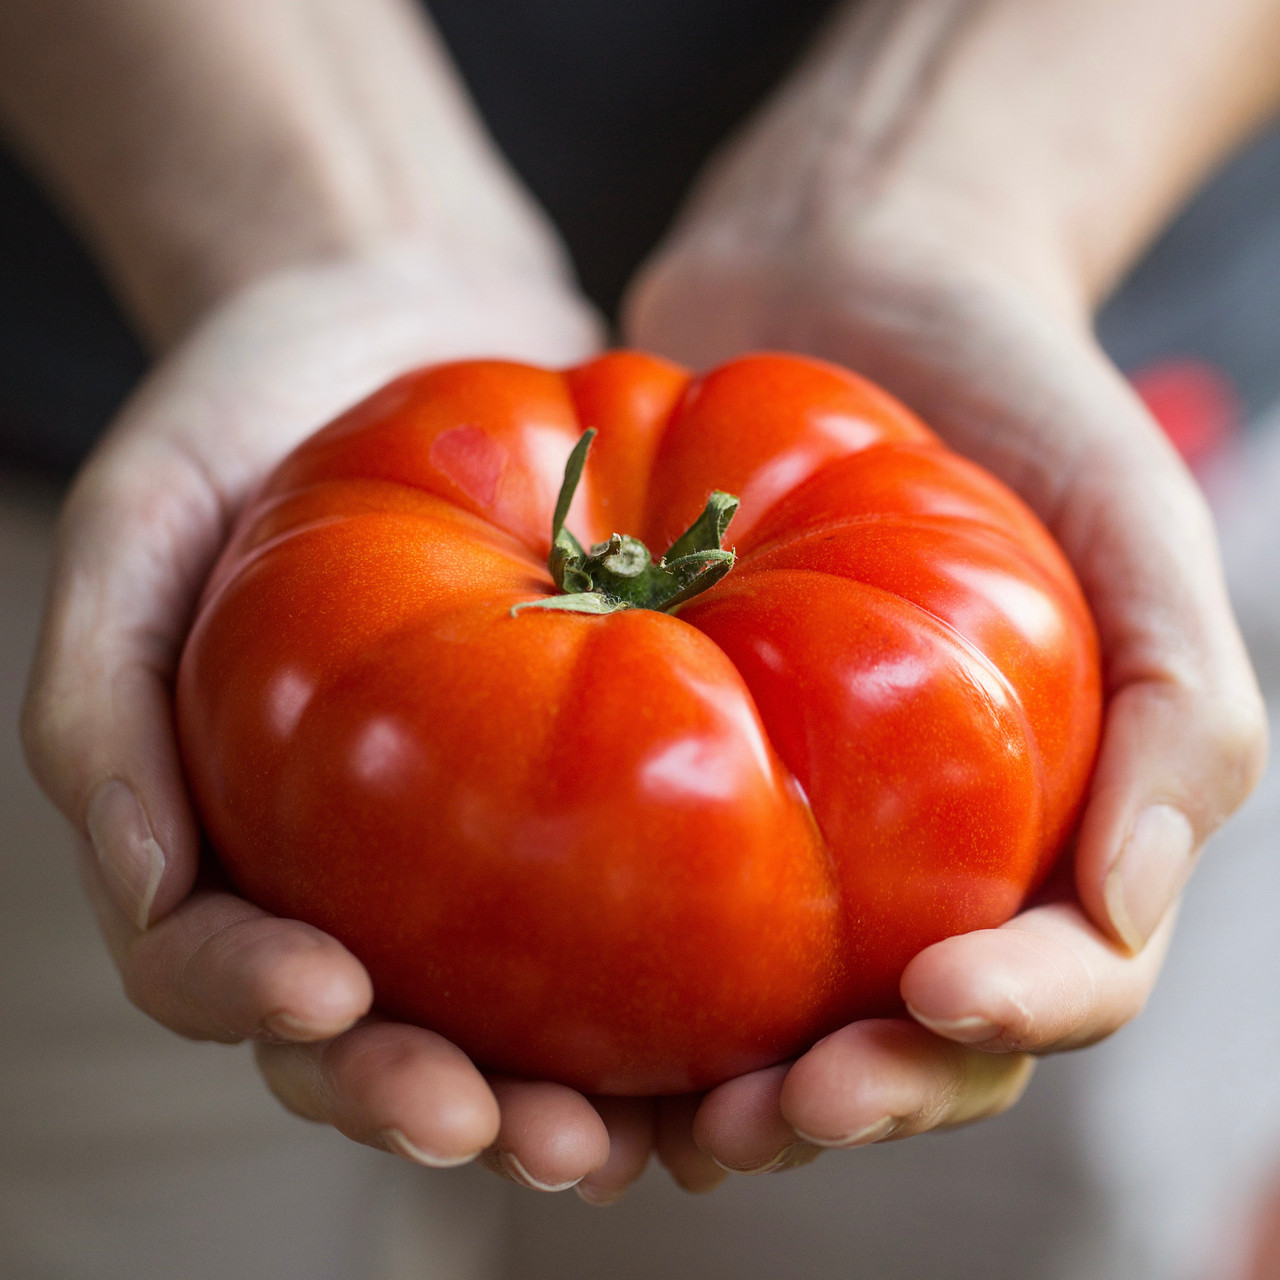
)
(638, 851)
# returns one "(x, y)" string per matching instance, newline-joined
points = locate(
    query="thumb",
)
(135, 538)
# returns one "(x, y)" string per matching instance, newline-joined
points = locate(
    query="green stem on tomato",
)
(620, 573)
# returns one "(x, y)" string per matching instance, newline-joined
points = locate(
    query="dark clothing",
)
(607, 111)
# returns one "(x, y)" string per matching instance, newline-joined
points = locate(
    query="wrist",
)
(808, 219)
(1031, 141)
(174, 255)
(202, 147)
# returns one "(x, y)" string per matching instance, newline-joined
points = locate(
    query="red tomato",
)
(639, 853)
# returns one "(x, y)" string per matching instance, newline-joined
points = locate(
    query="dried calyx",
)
(620, 573)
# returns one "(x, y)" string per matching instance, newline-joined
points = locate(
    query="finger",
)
(740, 1125)
(690, 1167)
(551, 1137)
(218, 968)
(631, 1124)
(1047, 980)
(888, 1078)
(136, 537)
(1184, 734)
(390, 1086)
(1177, 759)
(1184, 737)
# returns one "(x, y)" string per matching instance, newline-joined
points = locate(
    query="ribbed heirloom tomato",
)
(637, 850)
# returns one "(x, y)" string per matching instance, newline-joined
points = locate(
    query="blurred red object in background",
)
(1194, 402)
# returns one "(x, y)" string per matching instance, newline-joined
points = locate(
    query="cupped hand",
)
(138, 534)
(984, 333)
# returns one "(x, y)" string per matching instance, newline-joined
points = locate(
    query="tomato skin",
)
(637, 853)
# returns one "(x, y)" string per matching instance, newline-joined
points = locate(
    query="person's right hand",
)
(911, 206)
(139, 532)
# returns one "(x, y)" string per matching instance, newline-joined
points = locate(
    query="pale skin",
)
(295, 202)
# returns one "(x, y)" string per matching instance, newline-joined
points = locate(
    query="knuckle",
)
(55, 744)
(1236, 733)
(42, 729)
(1122, 1004)
(237, 947)
(157, 983)
(1013, 1086)
(372, 1052)
(290, 1074)
(135, 991)
(140, 991)
(1130, 1002)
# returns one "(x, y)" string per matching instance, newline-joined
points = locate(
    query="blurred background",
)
(608, 129)
(1149, 1158)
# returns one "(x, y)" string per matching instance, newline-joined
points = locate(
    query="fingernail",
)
(284, 1025)
(872, 1133)
(1149, 873)
(518, 1173)
(802, 1153)
(970, 1030)
(399, 1145)
(700, 1183)
(600, 1199)
(770, 1166)
(126, 848)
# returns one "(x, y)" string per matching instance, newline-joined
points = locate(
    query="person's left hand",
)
(987, 335)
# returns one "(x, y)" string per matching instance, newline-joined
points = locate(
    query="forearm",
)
(1076, 127)
(199, 145)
